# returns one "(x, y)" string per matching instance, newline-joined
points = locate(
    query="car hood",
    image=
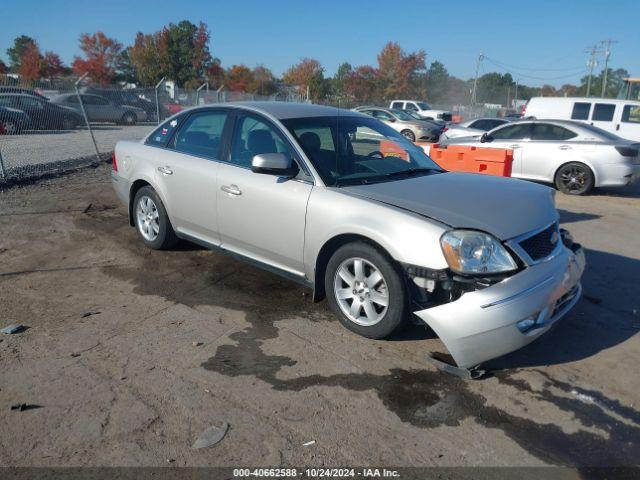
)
(504, 207)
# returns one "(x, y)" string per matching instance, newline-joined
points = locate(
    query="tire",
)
(129, 118)
(343, 289)
(9, 127)
(409, 135)
(574, 178)
(151, 220)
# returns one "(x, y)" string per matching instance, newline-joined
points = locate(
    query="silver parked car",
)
(304, 191)
(574, 156)
(471, 128)
(100, 109)
(408, 126)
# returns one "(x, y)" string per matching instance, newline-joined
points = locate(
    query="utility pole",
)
(515, 96)
(607, 53)
(475, 80)
(591, 63)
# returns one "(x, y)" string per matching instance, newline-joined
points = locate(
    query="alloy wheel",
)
(574, 178)
(147, 218)
(361, 291)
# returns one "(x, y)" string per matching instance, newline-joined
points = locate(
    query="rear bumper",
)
(612, 175)
(121, 187)
(482, 325)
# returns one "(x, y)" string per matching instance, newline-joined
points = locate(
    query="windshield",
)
(357, 150)
(423, 105)
(404, 116)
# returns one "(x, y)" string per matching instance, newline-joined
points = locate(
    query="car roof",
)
(8, 94)
(584, 99)
(287, 110)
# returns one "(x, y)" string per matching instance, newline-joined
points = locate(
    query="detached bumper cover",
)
(482, 325)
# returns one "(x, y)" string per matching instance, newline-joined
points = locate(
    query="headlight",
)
(469, 251)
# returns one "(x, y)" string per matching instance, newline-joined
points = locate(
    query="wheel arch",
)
(329, 248)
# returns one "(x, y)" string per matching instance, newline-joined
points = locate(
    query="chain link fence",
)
(51, 126)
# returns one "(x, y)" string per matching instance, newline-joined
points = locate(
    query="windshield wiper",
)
(410, 171)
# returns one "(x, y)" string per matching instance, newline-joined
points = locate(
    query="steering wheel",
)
(376, 153)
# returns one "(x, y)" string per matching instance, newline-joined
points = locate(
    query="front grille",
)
(542, 244)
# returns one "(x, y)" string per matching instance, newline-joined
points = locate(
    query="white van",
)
(621, 117)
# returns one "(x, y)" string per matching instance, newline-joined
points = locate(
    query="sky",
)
(536, 41)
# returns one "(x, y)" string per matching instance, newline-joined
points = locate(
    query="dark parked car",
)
(12, 121)
(43, 115)
(26, 91)
(100, 109)
(128, 97)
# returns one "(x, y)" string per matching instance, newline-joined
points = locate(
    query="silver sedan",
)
(305, 191)
(413, 129)
(471, 128)
(574, 156)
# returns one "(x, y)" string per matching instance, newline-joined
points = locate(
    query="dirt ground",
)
(130, 354)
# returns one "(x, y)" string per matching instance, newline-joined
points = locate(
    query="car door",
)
(513, 137)
(629, 125)
(34, 107)
(262, 216)
(549, 148)
(186, 171)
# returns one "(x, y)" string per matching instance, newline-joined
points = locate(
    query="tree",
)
(614, 83)
(188, 56)
(308, 74)
(101, 57)
(3, 68)
(126, 71)
(437, 82)
(238, 78)
(263, 83)
(149, 57)
(363, 84)
(215, 74)
(340, 77)
(401, 74)
(15, 53)
(52, 65)
(30, 62)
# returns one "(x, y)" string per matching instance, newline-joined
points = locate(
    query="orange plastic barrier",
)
(457, 158)
(456, 118)
(391, 149)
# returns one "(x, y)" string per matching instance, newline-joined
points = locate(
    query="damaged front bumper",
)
(506, 316)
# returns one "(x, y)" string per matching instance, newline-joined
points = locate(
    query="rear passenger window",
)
(397, 105)
(548, 131)
(513, 132)
(201, 134)
(580, 111)
(603, 112)
(163, 133)
(631, 114)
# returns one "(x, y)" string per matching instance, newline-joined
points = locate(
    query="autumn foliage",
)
(31, 62)
(101, 56)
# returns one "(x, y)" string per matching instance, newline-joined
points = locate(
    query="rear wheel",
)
(409, 135)
(152, 221)
(129, 118)
(574, 179)
(365, 290)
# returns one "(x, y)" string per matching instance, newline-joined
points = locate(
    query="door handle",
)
(165, 170)
(618, 127)
(564, 147)
(232, 189)
(514, 146)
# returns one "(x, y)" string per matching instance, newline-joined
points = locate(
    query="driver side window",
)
(252, 137)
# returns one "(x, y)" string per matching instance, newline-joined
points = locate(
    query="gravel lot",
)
(130, 354)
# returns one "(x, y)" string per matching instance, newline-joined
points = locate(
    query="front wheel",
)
(409, 135)
(574, 179)
(152, 221)
(365, 290)
(129, 118)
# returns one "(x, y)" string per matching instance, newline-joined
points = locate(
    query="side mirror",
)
(485, 138)
(391, 119)
(277, 164)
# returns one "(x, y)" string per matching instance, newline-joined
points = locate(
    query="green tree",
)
(437, 82)
(340, 77)
(188, 52)
(18, 49)
(614, 83)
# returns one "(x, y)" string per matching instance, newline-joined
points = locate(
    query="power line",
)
(541, 69)
(582, 70)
